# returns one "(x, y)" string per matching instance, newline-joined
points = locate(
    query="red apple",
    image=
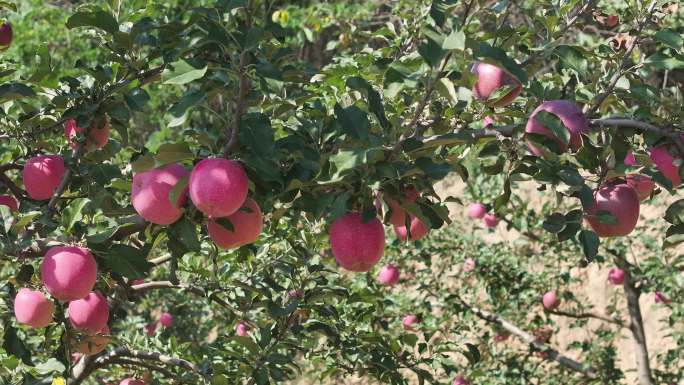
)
(643, 185)
(42, 175)
(477, 210)
(357, 245)
(247, 223)
(616, 276)
(491, 78)
(570, 115)
(388, 275)
(90, 314)
(550, 300)
(622, 202)
(33, 309)
(9, 201)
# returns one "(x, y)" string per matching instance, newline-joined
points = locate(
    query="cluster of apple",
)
(68, 274)
(479, 211)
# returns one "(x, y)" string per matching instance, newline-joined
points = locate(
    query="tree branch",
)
(240, 103)
(587, 315)
(528, 338)
(4, 179)
(87, 366)
(600, 98)
(193, 289)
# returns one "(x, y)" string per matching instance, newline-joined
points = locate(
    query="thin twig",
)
(600, 98)
(587, 315)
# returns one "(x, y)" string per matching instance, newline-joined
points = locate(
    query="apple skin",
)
(218, 187)
(32, 308)
(622, 202)
(661, 298)
(150, 194)
(389, 275)
(418, 230)
(166, 320)
(469, 265)
(42, 175)
(68, 272)
(569, 113)
(9, 201)
(665, 163)
(409, 321)
(6, 35)
(477, 210)
(490, 220)
(247, 225)
(550, 300)
(398, 214)
(643, 185)
(489, 79)
(630, 160)
(616, 276)
(357, 246)
(242, 329)
(90, 314)
(460, 380)
(98, 136)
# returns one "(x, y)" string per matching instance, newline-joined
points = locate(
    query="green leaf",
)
(6, 217)
(675, 213)
(179, 111)
(99, 19)
(571, 176)
(353, 120)
(12, 91)
(440, 9)
(555, 125)
(374, 99)
(127, 261)
(605, 217)
(446, 88)
(172, 153)
(669, 37)
(73, 213)
(178, 189)
(674, 236)
(182, 72)
(554, 223)
(13, 345)
(258, 135)
(455, 40)
(143, 163)
(573, 58)
(590, 243)
(185, 232)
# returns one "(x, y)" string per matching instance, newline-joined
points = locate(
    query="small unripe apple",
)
(388, 275)
(490, 220)
(91, 345)
(622, 202)
(33, 309)
(242, 329)
(90, 314)
(409, 321)
(42, 175)
(166, 319)
(643, 185)
(68, 272)
(132, 381)
(477, 210)
(6, 35)
(150, 194)
(247, 224)
(218, 187)
(9, 201)
(616, 276)
(98, 133)
(491, 78)
(661, 298)
(550, 300)
(469, 265)
(418, 230)
(665, 163)
(460, 380)
(357, 245)
(570, 115)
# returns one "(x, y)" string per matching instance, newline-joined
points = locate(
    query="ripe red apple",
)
(612, 21)
(630, 160)
(460, 380)
(68, 272)
(469, 265)
(569, 113)
(42, 174)
(98, 133)
(418, 230)
(90, 314)
(94, 344)
(622, 202)
(247, 224)
(665, 163)
(398, 214)
(409, 321)
(6, 35)
(242, 329)
(643, 185)
(488, 121)
(150, 194)
(9, 201)
(490, 220)
(616, 276)
(218, 187)
(388, 275)
(33, 309)
(491, 78)
(166, 319)
(357, 245)
(550, 300)
(477, 210)
(132, 381)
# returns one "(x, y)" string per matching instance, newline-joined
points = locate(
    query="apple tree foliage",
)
(328, 103)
